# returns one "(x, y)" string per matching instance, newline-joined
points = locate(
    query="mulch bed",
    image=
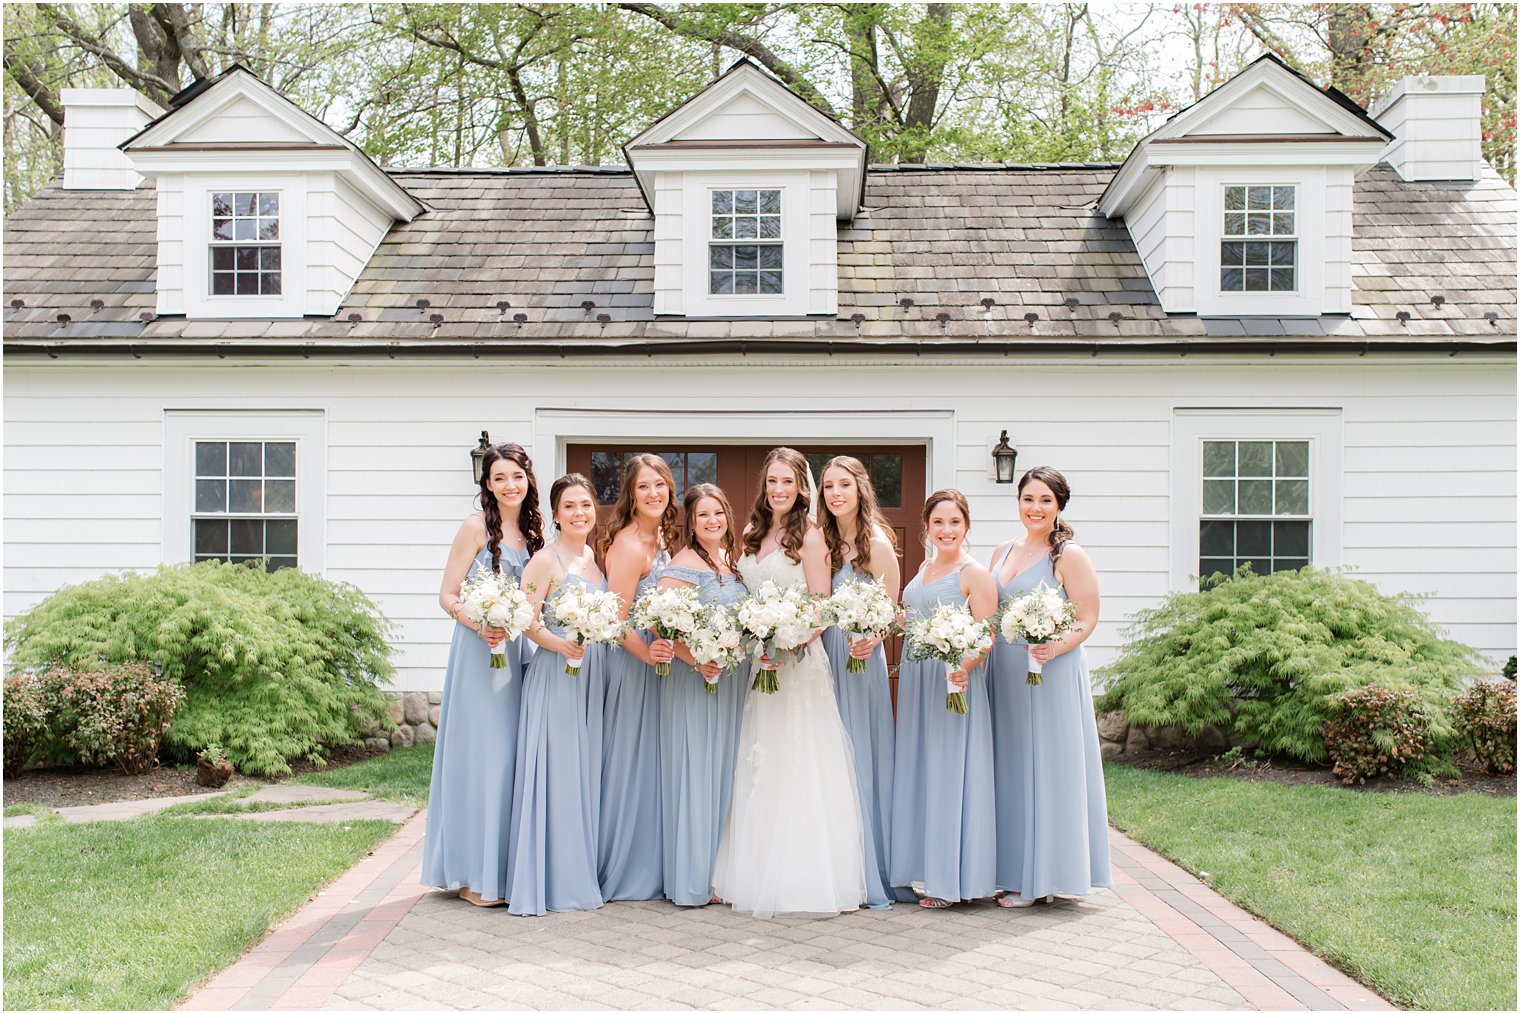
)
(86, 786)
(1290, 772)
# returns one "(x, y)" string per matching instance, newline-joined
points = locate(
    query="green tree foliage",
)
(1269, 656)
(274, 665)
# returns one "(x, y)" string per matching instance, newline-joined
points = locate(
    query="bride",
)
(793, 843)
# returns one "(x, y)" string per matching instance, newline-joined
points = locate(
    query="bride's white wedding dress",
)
(793, 843)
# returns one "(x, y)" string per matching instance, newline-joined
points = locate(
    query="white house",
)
(1282, 331)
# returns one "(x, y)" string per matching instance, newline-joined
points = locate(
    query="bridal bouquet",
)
(776, 623)
(860, 609)
(592, 616)
(716, 637)
(948, 635)
(1039, 616)
(669, 612)
(492, 599)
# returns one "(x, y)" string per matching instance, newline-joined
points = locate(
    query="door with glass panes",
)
(897, 473)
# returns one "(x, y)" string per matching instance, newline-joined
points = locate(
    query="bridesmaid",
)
(552, 858)
(635, 548)
(699, 731)
(470, 805)
(861, 547)
(942, 822)
(1052, 817)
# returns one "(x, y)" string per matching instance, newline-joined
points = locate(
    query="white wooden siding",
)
(243, 120)
(1427, 490)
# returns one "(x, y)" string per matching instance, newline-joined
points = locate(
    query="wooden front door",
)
(897, 472)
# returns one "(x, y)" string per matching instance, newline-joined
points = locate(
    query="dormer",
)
(748, 183)
(1240, 204)
(263, 210)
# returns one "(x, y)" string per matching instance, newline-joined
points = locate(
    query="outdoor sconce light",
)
(478, 455)
(1005, 459)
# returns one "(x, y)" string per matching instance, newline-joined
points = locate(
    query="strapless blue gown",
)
(475, 759)
(1052, 815)
(699, 738)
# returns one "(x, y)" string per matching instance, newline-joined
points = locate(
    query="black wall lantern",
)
(1005, 459)
(478, 455)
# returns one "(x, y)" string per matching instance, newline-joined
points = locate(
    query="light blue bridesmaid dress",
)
(470, 804)
(630, 862)
(699, 738)
(552, 858)
(865, 707)
(1052, 816)
(942, 795)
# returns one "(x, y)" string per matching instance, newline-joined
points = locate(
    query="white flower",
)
(861, 607)
(670, 612)
(592, 616)
(1041, 615)
(496, 599)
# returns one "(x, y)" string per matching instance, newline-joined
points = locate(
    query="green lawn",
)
(1413, 894)
(134, 914)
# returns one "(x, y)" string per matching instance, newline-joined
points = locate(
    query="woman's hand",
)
(661, 650)
(709, 670)
(572, 650)
(493, 635)
(863, 647)
(766, 659)
(959, 677)
(1043, 653)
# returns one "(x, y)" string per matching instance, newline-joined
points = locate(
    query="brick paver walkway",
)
(1160, 939)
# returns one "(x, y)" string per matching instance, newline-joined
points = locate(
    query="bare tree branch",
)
(28, 76)
(149, 84)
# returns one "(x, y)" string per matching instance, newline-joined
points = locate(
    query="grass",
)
(400, 775)
(35, 809)
(1413, 894)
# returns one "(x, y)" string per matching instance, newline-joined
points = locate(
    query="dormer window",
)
(745, 255)
(245, 243)
(1259, 252)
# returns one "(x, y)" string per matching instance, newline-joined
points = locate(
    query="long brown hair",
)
(1061, 533)
(529, 521)
(940, 496)
(795, 525)
(624, 511)
(689, 504)
(868, 516)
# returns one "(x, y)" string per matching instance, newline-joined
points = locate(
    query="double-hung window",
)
(745, 247)
(1259, 251)
(245, 243)
(1255, 506)
(245, 501)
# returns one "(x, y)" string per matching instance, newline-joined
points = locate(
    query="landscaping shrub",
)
(1379, 731)
(1485, 719)
(115, 715)
(1269, 657)
(1509, 669)
(26, 717)
(274, 665)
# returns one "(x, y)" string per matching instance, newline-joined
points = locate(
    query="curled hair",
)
(795, 525)
(1061, 533)
(565, 482)
(624, 511)
(694, 495)
(940, 496)
(868, 516)
(529, 521)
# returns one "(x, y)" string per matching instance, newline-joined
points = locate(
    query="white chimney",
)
(95, 121)
(1436, 124)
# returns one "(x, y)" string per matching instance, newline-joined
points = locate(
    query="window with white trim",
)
(245, 255)
(1255, 506)
(245, 502)
(1259, 251)
(745, 249)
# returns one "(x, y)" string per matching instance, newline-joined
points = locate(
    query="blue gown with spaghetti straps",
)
(699, 738)
(1052, 816)
(552, 858)
(630, 861)
(865, 707)
(470, 803)
(943, 833)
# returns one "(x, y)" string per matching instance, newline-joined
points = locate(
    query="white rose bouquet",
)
(1037, 617)
(860, 609)
(492, 599)
(948, 635)
(669, 612)
(592, 616)
(716, 638)
(776, 623)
